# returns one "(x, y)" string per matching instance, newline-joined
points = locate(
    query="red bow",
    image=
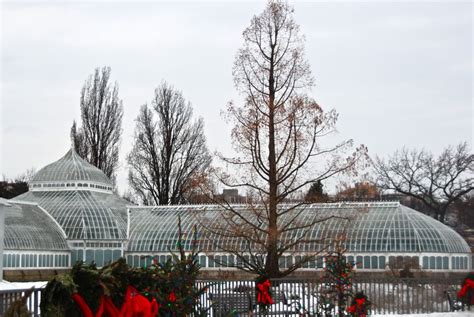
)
(263, 297)
(360, 301)
(356, 308)
(468, 284)
(172, 297)
(138, 305)
(134, 305)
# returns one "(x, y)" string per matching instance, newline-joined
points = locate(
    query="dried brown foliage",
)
(278, 134)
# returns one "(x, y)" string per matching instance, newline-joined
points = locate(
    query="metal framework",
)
(70, 213)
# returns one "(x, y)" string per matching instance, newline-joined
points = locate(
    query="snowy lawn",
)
(457, 314)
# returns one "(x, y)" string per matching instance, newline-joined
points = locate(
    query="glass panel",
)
(211, 261)
(73, 256)
(224, 260)
(217, 261)
(382, 262)
(80, 255)
(89, 256)
(282, 262)
(445, 263)
(432, 262)
(99, 257)
(350, 259)
(359, 262)
(202, 260)
(366, 262)
(230, 260)
(116, 254)
(439, 263)
(108, 257)
(374, 262)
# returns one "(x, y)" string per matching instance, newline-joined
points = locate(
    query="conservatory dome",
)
(70, 171)
(79, 197)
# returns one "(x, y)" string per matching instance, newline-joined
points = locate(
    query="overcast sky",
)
(399, 74)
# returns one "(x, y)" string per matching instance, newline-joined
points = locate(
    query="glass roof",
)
(374, 227)
(71, 167)
(83, 214)
(27, 227)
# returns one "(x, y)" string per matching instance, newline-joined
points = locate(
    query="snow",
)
(457, 314)
(5, 285)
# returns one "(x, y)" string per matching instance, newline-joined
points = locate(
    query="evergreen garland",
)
(171, 284)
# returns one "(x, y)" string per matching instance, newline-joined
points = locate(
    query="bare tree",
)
(435, 181)
(78, 141)
(277, 134)
(98, 139)
(10, 188)
(169, 158)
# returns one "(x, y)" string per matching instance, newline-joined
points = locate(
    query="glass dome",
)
(373, 227)
(83, 215)
(70, 171)
(28, 227)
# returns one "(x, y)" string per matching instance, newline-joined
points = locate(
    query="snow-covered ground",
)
(5, 285)
(457, 314)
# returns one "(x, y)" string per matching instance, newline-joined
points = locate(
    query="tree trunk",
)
(272, 267)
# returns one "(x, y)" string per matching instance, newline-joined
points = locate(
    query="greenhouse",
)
(71, 213)
(377, 234)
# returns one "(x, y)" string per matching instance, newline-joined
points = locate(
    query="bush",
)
(171, 284)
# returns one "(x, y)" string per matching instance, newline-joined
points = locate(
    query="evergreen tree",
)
(338, 274)
(316, 193)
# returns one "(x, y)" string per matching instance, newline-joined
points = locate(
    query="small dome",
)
(28, 227)
(71, 167)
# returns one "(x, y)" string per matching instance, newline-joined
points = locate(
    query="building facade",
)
(70, 213)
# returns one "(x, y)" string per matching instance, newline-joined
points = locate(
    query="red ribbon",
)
(468, 284)
(172, 297)
(86, 311)
(360, 302)
(138, 305)
(263, 297)
(357, 307)
(135, 305)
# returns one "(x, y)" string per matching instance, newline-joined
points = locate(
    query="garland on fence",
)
(360, 305)
(117, 290)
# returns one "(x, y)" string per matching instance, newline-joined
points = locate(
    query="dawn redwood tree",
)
(169, 159)
(277, 132)
(98, 138)
(437, 182)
